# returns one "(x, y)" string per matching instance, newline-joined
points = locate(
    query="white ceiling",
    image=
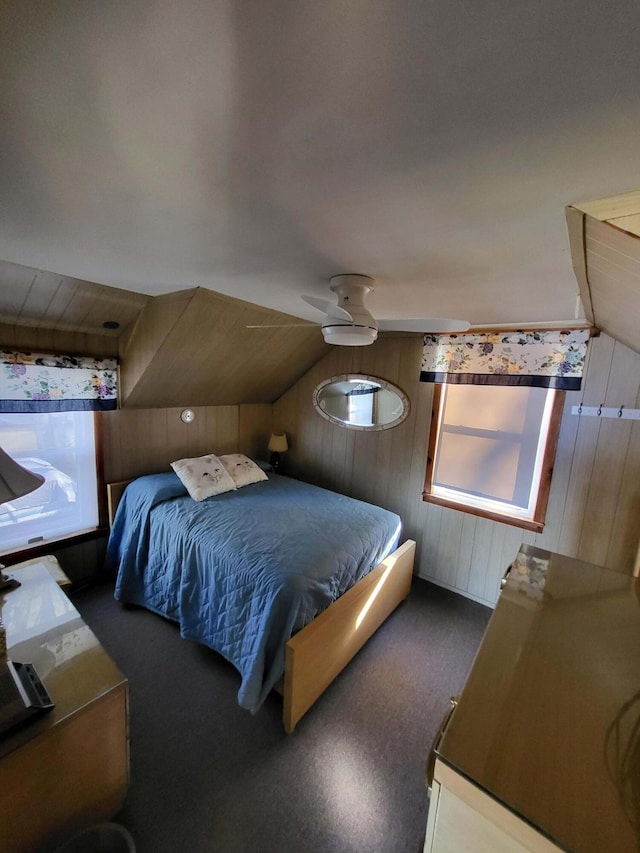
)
(258, 147)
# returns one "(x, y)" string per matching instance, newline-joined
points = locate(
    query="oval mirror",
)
(361, 402)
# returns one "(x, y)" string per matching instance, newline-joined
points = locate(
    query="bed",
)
(284, 579)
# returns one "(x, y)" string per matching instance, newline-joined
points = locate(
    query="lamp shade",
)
(15, 481)
(278, 442)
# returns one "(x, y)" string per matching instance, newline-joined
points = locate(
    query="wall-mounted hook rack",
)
(619, 412)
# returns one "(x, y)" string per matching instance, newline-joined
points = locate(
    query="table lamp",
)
(15, 482)
(277, 445)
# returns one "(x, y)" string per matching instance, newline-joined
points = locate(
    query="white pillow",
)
(242, 469)
(203, 476)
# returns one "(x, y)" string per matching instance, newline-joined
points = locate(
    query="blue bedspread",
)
(243, 571)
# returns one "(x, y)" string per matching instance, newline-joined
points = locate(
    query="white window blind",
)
(491, 443)
(61, 447)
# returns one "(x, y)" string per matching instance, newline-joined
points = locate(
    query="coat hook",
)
(599, 412)
(620, 411)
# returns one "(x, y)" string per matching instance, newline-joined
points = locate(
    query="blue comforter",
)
(243, 571)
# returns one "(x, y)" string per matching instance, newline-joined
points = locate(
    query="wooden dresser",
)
(69, 767)
(542, 751)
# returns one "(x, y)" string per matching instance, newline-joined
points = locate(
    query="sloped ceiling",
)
(190, 348)
(194, 348)
(257, 149)
(45, 300)
(605, 247)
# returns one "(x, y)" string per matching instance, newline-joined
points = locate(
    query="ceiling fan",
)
(349, 324)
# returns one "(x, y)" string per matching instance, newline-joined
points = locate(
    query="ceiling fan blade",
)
(283, 326)
(433, 325)
(328, 308)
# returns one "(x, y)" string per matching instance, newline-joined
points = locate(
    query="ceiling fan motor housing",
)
(349, 336)
(351, 291)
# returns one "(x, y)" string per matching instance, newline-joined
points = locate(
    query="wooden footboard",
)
(321, 650)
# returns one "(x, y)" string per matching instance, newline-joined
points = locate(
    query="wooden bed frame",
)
(320, 651)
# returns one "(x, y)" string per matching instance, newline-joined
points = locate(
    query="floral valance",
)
(553, 359)
(36, 382)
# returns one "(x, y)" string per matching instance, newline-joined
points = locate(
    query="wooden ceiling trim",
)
(575, 226)
(604, 209)
(628, 223)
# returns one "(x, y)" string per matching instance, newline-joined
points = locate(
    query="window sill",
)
(514, 521)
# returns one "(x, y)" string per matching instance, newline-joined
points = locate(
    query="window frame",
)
(39, 550)
(536, 523)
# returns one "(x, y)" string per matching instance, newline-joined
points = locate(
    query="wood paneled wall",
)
(33, 339)
(594, 505)
(145, 441)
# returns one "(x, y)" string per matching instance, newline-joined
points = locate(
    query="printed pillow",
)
(203, 476)
(243, 470)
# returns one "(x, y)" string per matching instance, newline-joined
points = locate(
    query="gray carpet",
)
(207, 776)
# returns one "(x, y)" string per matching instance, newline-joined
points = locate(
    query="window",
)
(61, 446)
(491, 450)
(360, 404)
